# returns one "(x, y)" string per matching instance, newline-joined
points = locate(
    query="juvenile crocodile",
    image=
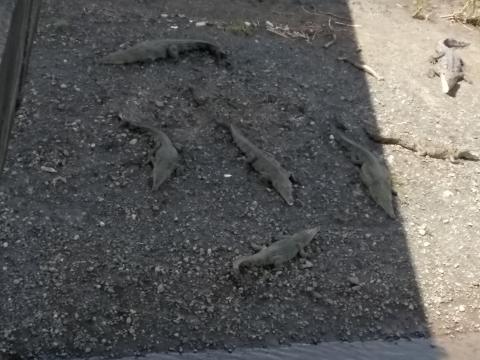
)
(268, 168)
(449, 65)
(282, 250)
(373, 173)
(165, 159)
(422, 147)
(151, 50)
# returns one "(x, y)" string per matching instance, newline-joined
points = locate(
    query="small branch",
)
(344, 24)
(332, 33)
(362, 67)
(272, 30)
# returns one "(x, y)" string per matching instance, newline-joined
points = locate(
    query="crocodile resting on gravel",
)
(421, 146)
(373, 173)
(282, 250)
(448, 64)
(165, 158)
(265, 164)
(152, 50)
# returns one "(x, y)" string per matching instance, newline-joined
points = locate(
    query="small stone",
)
(76, 237)
(422, 232)
(307, 264)
(5, 244)
(227, 175)
(48, 169)
(354, 280)
(200, 23)
(133, 141)
(164, 15)
(447, 193)
(59, 178)
(160, 288)
(101, 223)
(268, 24)
(63, 86)
(461, 308)
(174, 27)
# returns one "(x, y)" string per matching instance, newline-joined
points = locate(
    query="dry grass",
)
(468, 14)
(420, 8)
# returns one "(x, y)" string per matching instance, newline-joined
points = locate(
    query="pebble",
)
(200, 23)
(48, 169)
(447, 193)
(354, 280)
(133, 141)
(307, 264)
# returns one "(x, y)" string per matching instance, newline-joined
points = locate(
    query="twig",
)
(362, 67)
(332, 33)
(351, 25)
(324, 13)
(286, 32)
(272, 30)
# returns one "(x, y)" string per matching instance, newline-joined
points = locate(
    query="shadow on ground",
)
(97, 263)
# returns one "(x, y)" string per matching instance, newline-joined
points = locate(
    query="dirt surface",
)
(94, 263)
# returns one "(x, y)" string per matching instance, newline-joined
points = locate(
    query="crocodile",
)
(165, 158)
(421, 146)
(152, 50)
(284, 249)
(268, 168)
(448, 64)
(373, 173)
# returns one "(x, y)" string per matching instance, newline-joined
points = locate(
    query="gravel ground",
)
(93, 262)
